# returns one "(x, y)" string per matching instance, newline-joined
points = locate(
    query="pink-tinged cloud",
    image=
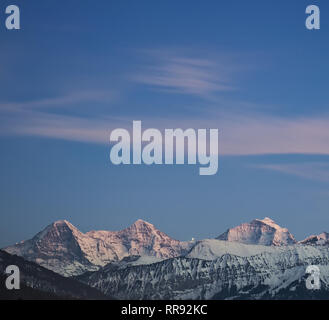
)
(274, 135)
(248, 135)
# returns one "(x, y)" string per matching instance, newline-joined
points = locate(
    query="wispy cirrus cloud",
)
(179, 73)
(34, 118)
(311, 170)
(64, 100)
(239, 135)
(259, 134)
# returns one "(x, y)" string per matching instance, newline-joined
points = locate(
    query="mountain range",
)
(256, 260)
(61, 247)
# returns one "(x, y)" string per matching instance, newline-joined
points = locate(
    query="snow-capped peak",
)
(272, 224)
(268, 221)
(141, 224)
(320, 239)
(56, 229)
(62, 223)
(263, 232)
(65, 224)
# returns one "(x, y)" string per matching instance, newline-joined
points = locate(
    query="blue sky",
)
(78, 69)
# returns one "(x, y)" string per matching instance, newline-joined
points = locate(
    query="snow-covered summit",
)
(62, 223)
(320, 239)
(264, 232)
(270, 222)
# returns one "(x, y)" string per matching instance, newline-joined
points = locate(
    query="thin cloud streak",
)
(179, 74)
(60, 101)
(312, 170)
(274, 135)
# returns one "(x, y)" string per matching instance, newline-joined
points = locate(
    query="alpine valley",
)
(256, 260)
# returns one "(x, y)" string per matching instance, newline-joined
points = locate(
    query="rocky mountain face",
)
(40, 283)
(61, 247)
(263, 232)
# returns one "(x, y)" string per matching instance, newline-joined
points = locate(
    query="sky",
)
(78, 69)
